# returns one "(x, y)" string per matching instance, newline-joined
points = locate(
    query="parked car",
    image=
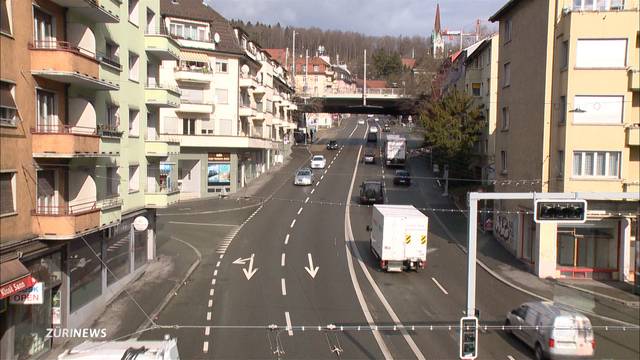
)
(561, 333)
(369, 157)
(402, 177)
(318, 162)
(372, 192)
(332, 145)
(303, 177)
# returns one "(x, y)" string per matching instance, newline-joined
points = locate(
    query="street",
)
(290, 273)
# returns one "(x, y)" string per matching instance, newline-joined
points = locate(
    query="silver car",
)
(304, 177)
(552, 331)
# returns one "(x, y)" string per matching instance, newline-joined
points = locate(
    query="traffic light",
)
(468, 338)
(560, 211)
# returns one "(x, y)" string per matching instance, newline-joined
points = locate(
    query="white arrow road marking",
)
(241, 261)
(311, 270)
(250, 271)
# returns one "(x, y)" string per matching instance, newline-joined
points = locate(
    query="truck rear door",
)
(415, 240)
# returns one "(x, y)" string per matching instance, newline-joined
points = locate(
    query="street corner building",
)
(568, 120)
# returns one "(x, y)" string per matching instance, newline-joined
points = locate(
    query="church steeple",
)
(436, 25)
(437, 42)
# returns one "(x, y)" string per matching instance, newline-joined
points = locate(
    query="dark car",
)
(332, 145)
(402, 177)
(372, 137)
(386, 128)
(372, 192)
(369, 157)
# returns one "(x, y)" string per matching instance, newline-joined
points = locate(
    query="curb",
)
(174, 290)
(631, 304)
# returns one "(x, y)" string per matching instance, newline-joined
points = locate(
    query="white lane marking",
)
(306, 200)
(205, 347)
(329, 167)
(286, 239)
(207, 331)
(510, 357)
(210, 303)
(211, 292)
(215, 273)
(322, 177)
(299, 210)
(292, 223)
(313, 190)
(213, 281)
(440, 286)
(326, 171)
(284, 287)
(282, 262)
(208, 315)
(202, 224)
(318, 183)
(221, 256)
(218, 264)
(288, 320)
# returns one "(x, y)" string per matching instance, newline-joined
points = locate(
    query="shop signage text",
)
(219, 157)
(32, 296)
(16, 286)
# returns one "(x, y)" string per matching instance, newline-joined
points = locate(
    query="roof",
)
(279, 55)
(399, 210)
(197, 10)
(409, 62)
(503, 10)
(478, 50)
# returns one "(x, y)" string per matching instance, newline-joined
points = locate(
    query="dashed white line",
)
(306, 200)
(208, 315)
(213, 281)
(218, 264)
(286, 239)
(313, 190)
(207, 331)
(215, 273)
(221, 256)
(288, 320)
(440, 286)
(329, 167)
(210, 304)
(282, 262)
(205, 347)
(293, 223)
(284, 287)
(211, 292)
(299, 210)
(510, 357)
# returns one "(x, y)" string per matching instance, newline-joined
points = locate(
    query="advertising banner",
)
(219, 174)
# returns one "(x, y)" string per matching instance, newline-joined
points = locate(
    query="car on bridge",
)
(304, 177)
(372, 192)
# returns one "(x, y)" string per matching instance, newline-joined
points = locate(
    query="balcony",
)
(99, 11)
(248, 82)
(62, 62)
(633, 135)
(195, 106)
(110, 210)
(161, 148)
(246, 111)
(158, 43)
(259, 116)
(259, 90)
(65, 221)
(162, 198)
(65, 141)
(276, 98)
(196, 75)
(634, 79)
(158, 95)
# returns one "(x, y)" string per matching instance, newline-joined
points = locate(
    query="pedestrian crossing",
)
(226, 242)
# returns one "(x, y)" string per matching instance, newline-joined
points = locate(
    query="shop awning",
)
(194, 56)
(14, 277)
(6, 99)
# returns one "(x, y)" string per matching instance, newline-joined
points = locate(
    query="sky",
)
(371, 17)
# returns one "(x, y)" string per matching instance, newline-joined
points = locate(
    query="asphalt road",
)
(253, 298)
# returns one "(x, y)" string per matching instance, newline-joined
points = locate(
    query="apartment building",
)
(226, 125)
(76, 170)
(568, 114)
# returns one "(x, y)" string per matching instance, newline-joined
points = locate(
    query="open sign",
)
(32, 296)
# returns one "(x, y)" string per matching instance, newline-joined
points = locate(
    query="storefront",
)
(219, 172)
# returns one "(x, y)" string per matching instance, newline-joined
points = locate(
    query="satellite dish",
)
(244, 69)
(216, 38)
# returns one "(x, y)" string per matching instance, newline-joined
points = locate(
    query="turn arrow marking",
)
(311, 270)
(241, 261)
(250, 271)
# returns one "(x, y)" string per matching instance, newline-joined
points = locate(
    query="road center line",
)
(306, 200)
(510, 357)
(288, 320)
(215, 273)
(213, 281)
(210, 303)
(293, 223)
(440, 286)
(313, 190)
(299, 210)
(208, 315)
(211, 292)
(284, 287)
(207, 331)
(322, 177)
(218, 264)
(205, 347)
(286, 239)
(282, 260)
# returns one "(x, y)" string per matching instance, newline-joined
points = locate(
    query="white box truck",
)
(395, 150)
(399, 237)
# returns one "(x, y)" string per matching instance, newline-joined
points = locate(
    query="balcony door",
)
(47, 120)
(47, 201)
(43, 29)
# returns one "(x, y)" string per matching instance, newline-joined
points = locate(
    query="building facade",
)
(76, 169)
(568, 114)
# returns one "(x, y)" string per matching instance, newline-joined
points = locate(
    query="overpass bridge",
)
(392, 101)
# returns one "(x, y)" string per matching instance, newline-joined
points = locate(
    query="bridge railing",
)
(395, 92)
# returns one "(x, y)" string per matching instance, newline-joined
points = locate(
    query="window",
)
(44, 29)
(8, 109)
(488, 86)
(507, 74)
(133, 12)
(134, 178)
(113, 119)
(503, 161)
(189, 31)
(222, 67)
(604, 164)
(560, 163)
(7, 193)
(601, 53)
(316, 68)
(225, 127)
(5, 16)
(564, 53)
(598, 109)
(475, 89)
(597, 5)
(222, 96)
(113, 182)
(188, 126)
(111, 57)
(507, 30)
(505, 118)
(134, 123)
(562, 119)
(46, 114)
(134, 67)
(85, 269)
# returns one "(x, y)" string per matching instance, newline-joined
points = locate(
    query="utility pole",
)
(294, 57)
(306, 69)
(364, 83)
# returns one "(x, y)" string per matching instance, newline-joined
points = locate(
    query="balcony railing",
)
(108, 130)
(65, 210)
(64, 129)
(157, 30)
(62, 46)
(154, 85)
(109, 59)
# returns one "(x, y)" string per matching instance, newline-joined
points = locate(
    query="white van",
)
(561, 332)
(116, 350)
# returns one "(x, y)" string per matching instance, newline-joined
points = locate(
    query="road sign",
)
(468, 337)
(560, 211)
